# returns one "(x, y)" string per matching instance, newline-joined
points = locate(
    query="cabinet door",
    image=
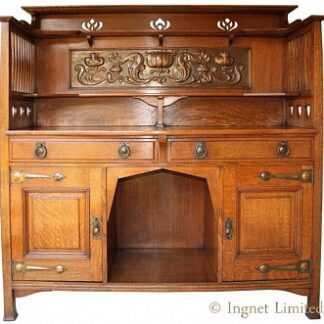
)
(55, 224)
(267, 223)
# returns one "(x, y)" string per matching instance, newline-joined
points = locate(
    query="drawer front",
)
(224, 149)
(118, 150)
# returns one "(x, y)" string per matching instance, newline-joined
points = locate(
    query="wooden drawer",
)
(117, 150)
(229, 149)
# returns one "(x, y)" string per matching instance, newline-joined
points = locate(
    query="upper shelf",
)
(274, 32)
(162, 92)
(158, 8)
(196, 21)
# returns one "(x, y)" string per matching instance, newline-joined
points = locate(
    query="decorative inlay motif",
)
(227, 24)
(160, 24)
(113, 68)
(92, 25)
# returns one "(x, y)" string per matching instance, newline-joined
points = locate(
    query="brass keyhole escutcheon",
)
(96, 222)
(228, 229)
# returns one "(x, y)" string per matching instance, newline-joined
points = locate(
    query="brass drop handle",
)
(124, 151)
(283, 149)
(40, 150)
(201, 151)
(301, 266)
(96, 227)
(305, 176)
(20, 177)
(228, 229)
(22, 268)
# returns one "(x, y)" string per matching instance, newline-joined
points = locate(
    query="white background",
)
(149, 308)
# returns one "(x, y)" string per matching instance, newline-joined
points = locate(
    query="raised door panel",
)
(56, 222)
(52, 226)
(268, 221)
(271, 225)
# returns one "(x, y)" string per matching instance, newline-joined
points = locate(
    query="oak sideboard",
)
(161, 148)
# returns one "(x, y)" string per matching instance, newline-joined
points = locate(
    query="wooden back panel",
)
(94, 112)
(160, 210)
(191, 111)
(52, 78)
(299, 63)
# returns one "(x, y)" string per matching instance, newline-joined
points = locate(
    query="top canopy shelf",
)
(200, 21)
(33, 10)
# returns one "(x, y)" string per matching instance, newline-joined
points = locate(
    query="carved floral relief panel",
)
(217, 67)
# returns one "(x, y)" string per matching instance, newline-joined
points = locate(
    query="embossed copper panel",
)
(218, 67)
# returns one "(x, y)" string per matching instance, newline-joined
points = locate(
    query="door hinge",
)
(20, 267)
(303, 266)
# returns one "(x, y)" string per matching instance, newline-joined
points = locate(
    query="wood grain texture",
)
(149, 67)
(162, 266)
(22, 64)
(51, 224)
(9, 305)
(51, 80)
(225, 111)
(162, 211)
(157, 211)
(94, 112)
(276, 215)
(296, 112)
(258, 238)
(21, 114)
(317, 85)
(78, 150)
(298, 285)
(119, 20)
(56, 221)
(223, 149)
(299, 63)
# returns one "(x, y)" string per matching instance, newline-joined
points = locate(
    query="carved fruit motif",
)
(159, 67)
(159, 59)
(94, 60)
(224, 59)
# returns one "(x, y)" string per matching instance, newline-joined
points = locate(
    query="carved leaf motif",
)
(92, 25)
(227, 24)
(90, 72)
(160, 24)
(159, 67)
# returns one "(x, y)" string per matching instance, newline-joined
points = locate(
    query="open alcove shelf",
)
(159, 233)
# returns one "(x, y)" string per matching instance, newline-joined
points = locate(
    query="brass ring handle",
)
(283, 149)
(40, 150)
(305, 176)
(201, 151)
(20, 177)
(301, 266)
(124, 151)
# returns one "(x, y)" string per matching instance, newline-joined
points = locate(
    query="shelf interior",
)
(161, 266)
(178, 115)
(162, 229)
